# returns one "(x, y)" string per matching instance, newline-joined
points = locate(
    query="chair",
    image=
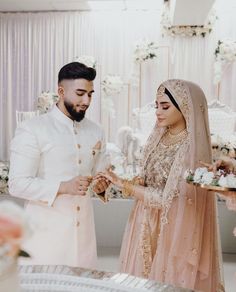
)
(22, 116)
(144, 120)
(221, 119)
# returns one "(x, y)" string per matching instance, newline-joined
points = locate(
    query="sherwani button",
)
(78, 208)
(79, 161)
(78, 224)
(78, 146)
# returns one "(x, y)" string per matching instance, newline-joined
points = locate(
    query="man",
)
(53, 159)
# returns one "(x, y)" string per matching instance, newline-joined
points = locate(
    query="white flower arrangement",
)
(4, 171)
(225, 53)
(222, 148)
(145, 50)
(111, 85)
(89, 61)
(202, 176)
(46, 101)
(228, 181)
(186, 30)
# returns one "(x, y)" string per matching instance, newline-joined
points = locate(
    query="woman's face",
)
(167, 114)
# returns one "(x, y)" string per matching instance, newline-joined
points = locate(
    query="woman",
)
(171, 235)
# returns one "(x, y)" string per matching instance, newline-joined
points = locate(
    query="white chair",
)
(131, 140)
(22, 116)
(221, 119)
(144, 120)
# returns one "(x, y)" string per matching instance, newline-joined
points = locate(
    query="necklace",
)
(171, 139)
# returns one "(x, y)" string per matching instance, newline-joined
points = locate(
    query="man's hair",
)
(76, 70)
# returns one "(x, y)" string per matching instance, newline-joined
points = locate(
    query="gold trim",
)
(128, 188)
(212, 188)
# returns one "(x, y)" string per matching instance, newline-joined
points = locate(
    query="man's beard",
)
(77, 116)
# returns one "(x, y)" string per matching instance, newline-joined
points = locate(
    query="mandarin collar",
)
(59, 115)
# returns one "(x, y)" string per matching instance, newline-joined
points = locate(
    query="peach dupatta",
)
(187, 252)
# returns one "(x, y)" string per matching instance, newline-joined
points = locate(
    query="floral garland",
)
(111, 85)
(225, 53)
(89, 61)
(46, 101)
(4, 171)
(145, 50)
(186, 30)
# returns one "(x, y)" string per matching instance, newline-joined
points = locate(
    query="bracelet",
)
(127, 189)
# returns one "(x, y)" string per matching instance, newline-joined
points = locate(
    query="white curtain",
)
(34, 46)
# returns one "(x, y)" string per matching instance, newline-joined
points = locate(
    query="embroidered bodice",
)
(158, 165)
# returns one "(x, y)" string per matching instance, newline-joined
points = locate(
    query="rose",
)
(10, 235)
(207, 178)
(9, 229)
(199, 173)
(231, 180)
(14, 228)
(15, 214)
(188, 175)
(222, 181)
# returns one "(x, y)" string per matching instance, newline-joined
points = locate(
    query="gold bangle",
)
(127, 189)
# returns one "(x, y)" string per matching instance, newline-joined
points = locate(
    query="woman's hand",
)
(99, 185)
(112, 177)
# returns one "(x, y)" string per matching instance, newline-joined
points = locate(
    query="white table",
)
(67, 279)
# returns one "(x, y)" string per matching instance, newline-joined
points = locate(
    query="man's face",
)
(76, 96)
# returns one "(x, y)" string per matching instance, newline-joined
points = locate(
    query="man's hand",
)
(111, 177)
(100, 184)
(76, 186)
(225, 164)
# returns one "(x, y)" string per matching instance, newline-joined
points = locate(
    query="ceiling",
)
(66, 5)
(182, 12)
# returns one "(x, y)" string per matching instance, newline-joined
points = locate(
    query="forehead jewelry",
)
(161, 90)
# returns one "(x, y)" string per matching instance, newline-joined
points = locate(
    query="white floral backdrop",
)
(34, 46)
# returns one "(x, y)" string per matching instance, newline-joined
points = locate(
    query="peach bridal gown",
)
(172, 236)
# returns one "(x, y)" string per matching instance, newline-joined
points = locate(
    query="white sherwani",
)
(45, 151)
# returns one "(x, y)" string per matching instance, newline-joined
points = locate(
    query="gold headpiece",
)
(161, 90)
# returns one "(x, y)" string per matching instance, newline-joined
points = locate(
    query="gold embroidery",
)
(202, 107)
(127, 189)
(180, 92)
(145, 247)
(170, 139)
(98, 146)
(161, 90)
